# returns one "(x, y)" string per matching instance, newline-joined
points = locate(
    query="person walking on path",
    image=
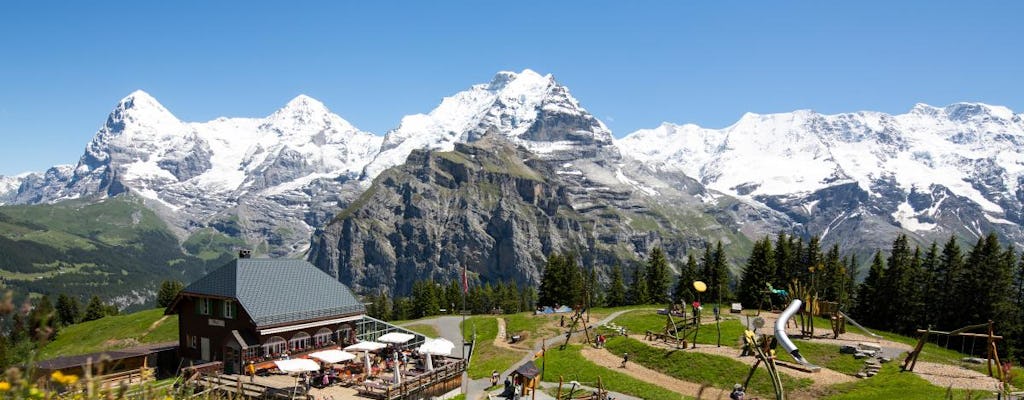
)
(250, 370)
(494, 377)
(625, 359)
(737, 392)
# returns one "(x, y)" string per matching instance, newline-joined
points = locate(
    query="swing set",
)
(991, 351)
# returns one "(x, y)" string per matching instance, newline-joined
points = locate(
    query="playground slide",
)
(783, 339)
(847, 317)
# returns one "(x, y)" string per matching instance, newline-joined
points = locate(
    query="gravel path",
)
(821, 380)
(608, 360)
(943, 375)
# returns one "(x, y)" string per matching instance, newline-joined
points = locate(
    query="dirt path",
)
(822, 379)
(154, 325)
(501, 339)
(943, 375)
(611, 361)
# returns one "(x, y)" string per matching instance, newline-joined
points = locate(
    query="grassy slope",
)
(112, 332)
(717, 371)
(570, 365)
(74, 247)
(486, 356)
(891, 384)
(424, 329)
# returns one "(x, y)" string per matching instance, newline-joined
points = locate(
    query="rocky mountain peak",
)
(967, 111)
(531, 109)
(305, 115)
(141, 109)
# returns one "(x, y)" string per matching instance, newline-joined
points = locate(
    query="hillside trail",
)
(501, 339)
(154, 325)
(822, 379)
(613, 362)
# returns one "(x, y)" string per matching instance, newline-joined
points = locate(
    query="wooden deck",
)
(444, 378)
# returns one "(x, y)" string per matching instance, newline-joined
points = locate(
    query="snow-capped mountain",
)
(531, 109)
(932, 171)
(9, 187)
(267, 179)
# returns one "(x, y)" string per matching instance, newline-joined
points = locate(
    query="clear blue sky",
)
(64, 65)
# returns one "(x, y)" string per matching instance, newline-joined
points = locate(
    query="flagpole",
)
(465, 288)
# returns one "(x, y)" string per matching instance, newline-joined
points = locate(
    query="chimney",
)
(245, 253)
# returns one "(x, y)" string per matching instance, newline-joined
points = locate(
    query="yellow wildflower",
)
(59, 377)
(4, 386)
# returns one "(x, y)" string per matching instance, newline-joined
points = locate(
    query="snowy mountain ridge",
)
(273, 181)
(206, 174)
(972, 151)
(510, 104)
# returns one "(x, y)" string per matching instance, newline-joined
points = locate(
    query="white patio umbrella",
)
(366, 347)
(333, 356)
(297, 365)
(395, 338)
(432, 347)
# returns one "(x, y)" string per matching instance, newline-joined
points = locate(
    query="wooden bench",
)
(373, 389)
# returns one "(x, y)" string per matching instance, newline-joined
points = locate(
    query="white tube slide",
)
(780, 332)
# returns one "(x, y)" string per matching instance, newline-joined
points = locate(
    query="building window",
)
(299, 342)
(251, 353)
(229, 309)
(205, 306)
(344, 336)
(193, 341)
(322, 337)
(275, 346)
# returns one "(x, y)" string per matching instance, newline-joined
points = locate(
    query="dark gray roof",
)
(110, 355)
(279, 291)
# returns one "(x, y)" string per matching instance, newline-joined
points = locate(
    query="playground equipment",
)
(700, 287)
(574, 394)
(674, 333)
(768, 293)
(992, 352)
(760, 346)
(577, 316)
(783, 339)
(846, 318)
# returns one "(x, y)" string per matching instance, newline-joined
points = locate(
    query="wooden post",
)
(558, 395)
(990, 346)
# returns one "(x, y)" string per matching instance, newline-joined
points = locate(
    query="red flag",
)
(465, 281)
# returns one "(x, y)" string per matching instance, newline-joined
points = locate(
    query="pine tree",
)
(898, 292)
(657, 277)
(832, 279)
(168, 291)
(867, 306)
(68, 310)
(638, 287)
(684, 292)
(760, 269)
(95, 309)
(931, 285)
(850, 283)
(616, 288)
(812, 263)
(784, 259)
(718, 287)
(988, 285)
(949, 274)
(552, 282)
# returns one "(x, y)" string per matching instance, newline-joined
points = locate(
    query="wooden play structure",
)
(576, 392)
(577, 317)
(761, 348)
(675, 333)
(991, 350)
